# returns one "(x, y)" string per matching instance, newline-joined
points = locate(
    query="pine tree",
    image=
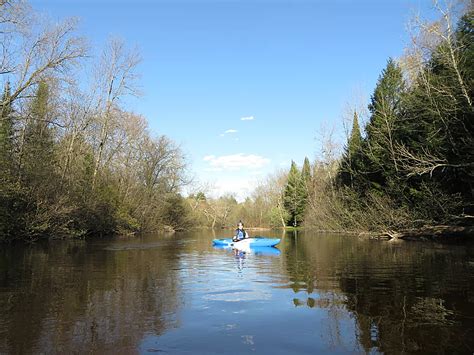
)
(355, 140)
(351, 162)
(382, 134)
(354, 152)
(295, 196)
(439, 125)
(306, 171)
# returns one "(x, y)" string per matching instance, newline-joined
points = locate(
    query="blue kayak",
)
(249, 242)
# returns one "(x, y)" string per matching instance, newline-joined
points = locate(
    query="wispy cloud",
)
(229, 131)
(240, 188)
(247, 118)
(213, 170)
(235, 162)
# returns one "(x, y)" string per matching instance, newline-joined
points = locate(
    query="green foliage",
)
(438, 126)
(352, 159)
(176, 212)
(414, 164)
(76, 163)
(295, 196)
(43, 199)
(276, 215)
(381, 131)
(355, 140)
(200, 196)
(417, 155)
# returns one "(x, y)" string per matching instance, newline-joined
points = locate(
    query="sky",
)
(245, 86)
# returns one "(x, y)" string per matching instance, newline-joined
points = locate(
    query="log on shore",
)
(441, 232)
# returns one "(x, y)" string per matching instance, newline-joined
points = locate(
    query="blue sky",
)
(287, 66)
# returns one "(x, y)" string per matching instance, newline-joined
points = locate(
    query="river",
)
(176, 294)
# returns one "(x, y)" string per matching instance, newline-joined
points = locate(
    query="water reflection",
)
(404, 297)
(79, 296)
(315, 293)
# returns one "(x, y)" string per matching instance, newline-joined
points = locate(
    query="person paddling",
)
(240, 233)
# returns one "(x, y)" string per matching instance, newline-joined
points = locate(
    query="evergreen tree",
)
(379, 147)
(438, 128)
(295, 196)
(352, 158)
(465, 41)
(387, 95)
(306, 172)
(355, 140)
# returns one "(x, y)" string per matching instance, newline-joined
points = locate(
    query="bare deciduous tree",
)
(116, 77)
(48, 51)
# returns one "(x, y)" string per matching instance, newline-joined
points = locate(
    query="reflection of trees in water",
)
(420, 306)
(310, 274)
(76, 297)
(404, 298)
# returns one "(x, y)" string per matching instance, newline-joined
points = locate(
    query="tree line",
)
(73, 160)
(410, 165)
(278, 201)
(413, 163)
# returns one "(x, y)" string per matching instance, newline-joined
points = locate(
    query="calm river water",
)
(178, 295)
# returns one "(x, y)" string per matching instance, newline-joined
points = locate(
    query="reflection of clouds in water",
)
(247, 339)
(239, 295)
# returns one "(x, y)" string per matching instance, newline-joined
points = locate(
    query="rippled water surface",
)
(177, 294)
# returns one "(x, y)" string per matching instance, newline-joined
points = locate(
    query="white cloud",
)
(240, 188)
(229, 131)
(235, 162)
(247, 118)
(209, 157)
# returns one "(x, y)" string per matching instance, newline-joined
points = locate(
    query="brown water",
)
(177, 294)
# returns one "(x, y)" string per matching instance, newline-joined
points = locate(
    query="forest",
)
(414, 163)
(75, 162)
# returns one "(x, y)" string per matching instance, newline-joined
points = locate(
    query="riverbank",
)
(430, 233)
(426, 233)
(443, 233)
